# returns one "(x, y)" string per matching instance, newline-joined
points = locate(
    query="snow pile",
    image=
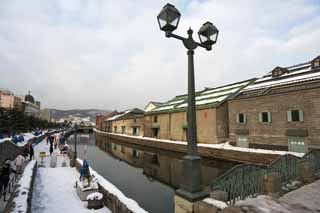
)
(4, 140)
(95, 196)
(225, 146)
(267, 204)
(21, 201)
(308, 196)
(217, 203)
(131, 204)
(85, 187)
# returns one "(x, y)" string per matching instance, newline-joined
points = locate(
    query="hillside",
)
(58, 114)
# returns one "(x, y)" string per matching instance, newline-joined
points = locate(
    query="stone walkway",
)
(54, 189)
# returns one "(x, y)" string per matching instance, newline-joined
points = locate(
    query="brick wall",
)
(211, 127)
(274, 134)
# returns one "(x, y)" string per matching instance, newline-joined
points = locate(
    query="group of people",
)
(55, 140)
(7, 168)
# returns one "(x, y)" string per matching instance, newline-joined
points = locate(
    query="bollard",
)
(272, 184)
(307, 171)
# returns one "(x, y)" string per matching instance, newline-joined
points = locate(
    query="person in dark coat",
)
(51, 149)
(5, 175)
(31, 151)
(51, 140)
(85, 172)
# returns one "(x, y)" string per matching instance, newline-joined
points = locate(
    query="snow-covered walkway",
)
(303, 200)
(53, 189)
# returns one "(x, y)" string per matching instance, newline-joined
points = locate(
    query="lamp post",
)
(75, 142)
(168, 20)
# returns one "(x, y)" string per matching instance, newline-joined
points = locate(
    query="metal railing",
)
(247, 180)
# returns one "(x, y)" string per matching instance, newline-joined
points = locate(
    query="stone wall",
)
(275, 134)
(221, 154)
(9, 150)
(212, 125)
(129, 124)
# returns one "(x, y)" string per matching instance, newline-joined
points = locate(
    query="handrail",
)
(246, 180)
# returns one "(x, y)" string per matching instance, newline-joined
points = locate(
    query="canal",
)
(148, 176)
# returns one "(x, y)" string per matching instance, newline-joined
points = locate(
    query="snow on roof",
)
(215, 94)
(206, 96)
(226, 87)
(284, 81)
(163, 108)
(205, 101)
(119, 115)
(297, 73)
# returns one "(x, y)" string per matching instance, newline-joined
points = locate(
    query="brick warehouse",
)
(279, 111)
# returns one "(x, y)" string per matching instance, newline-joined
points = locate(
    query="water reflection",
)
(147, 175)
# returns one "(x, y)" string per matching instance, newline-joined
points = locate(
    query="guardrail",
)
(247, 180)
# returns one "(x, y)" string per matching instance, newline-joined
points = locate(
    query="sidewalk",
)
(53, 189)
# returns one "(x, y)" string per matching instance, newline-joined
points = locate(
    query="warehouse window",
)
(295, 115)
(264, 117)
(155, 119)
(241, 118)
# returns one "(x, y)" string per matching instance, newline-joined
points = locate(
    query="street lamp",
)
(75, 142)
(168, 20)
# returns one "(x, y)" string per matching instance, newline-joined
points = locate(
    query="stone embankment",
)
(221, 154)
(113, 198)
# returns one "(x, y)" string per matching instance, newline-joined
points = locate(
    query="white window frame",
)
(244, 118)
(261, 117)
(301, 115)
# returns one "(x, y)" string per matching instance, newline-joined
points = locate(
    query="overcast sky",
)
(110, 54)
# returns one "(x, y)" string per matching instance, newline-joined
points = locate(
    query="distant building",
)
(129, 122)
(9, 101)
(30, 106)
(101, 118)
(45, 114)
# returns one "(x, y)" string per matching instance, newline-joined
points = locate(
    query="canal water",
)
(149, 176)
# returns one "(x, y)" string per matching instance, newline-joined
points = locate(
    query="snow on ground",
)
(5, 139)
(21, 201)
(130, 203)
(267, 204)
(225, 146)
(308, 195)
(217, 203)
(54, 188)
(26, 136)
(305, 199)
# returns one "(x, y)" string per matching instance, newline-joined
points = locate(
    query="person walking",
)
(51, 149)
(19, 162)
(5, 175)
(31, 151)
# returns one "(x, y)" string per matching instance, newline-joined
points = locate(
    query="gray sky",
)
(110, 54)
